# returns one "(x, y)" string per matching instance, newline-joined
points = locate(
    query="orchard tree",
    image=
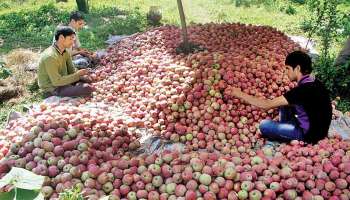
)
(186, 46)
(83, 5)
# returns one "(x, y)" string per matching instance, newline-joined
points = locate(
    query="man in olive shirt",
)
(57, 75)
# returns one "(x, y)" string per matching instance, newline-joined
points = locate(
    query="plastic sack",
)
(156, 145)
(340, 126)
(307, 44)
(113, 39)
(82, 62)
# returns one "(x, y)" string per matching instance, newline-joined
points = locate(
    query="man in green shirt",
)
(57, 75)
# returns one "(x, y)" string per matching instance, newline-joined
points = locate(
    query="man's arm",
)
(75, 52)
(70, 67)
(56, 78)
(261, 103)
(83, 52)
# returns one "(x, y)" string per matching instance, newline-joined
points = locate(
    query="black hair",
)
(76, 16)
(65, 31)
(299, 58)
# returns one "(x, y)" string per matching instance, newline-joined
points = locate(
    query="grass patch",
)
(110, 21)
(34, 26)
(18, 105)
(343, 105)
(33, 29)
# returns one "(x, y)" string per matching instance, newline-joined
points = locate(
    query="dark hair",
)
(76, 16)
(299, 58)
(65, 31)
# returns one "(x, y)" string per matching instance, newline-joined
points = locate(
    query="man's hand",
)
(82, 72)
(83, 53)
(93, 55)
(233, 91)
(86, 51)
(86, 79)
(256, 101)
(236, 92)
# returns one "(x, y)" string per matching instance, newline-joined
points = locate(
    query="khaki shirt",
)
(55, 69)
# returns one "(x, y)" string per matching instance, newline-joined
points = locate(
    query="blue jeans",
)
(286, 129)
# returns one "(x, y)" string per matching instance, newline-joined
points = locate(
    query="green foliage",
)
(324, 21)
(27, 27)
(4, 5)
(33, 86)
(269, 4)
(335, 78)
(248, 3)
(306, 26)
(345, 24)
(290, 10)
(221, 17)
(4, 72)
(133, 22)
(105, 11)
(245, 3)
(35, 28)
(20, 106)
(28, 22)
(71, 194)
(299, 1)
(343, 105)
(121, 23)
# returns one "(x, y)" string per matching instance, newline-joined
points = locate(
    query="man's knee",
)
(265, 126)
(87, 89)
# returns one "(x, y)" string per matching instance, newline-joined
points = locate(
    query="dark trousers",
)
(75, 90)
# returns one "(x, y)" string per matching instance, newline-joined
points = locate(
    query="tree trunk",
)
(57, 1)
(183, 25)
(83, 5)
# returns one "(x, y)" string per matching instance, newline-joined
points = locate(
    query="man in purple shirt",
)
(305, 111)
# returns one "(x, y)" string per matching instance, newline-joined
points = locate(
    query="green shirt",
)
(55, 69)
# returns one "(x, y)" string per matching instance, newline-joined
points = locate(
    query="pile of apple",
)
(182, 98)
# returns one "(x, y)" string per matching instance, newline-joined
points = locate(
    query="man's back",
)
(315, 100)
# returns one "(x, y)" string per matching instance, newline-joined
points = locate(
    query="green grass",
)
(19, 106)
(71, 194)
(102, 19)
(38, 34)
(34, 28)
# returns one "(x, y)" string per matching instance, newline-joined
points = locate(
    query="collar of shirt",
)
(306, 79)
(57, 49)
